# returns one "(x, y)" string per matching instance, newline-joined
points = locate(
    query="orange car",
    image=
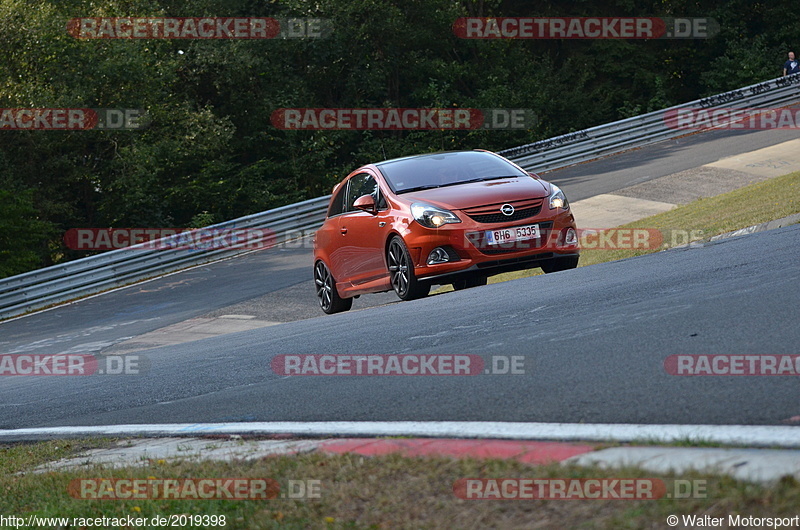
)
(443, 218)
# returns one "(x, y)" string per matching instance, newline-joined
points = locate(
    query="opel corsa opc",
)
(444, 218)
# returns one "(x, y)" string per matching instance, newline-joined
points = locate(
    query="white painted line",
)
(757, 435)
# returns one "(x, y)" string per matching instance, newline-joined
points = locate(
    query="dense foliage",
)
(211, 153)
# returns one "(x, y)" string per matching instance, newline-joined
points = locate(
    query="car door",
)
(362, 234)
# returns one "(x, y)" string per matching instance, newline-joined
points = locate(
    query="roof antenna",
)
(384, 150)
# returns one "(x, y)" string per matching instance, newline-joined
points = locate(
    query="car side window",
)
(337, 204)
(361, 184)
(381, 201)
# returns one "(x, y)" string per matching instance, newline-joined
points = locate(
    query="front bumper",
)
(466, 242)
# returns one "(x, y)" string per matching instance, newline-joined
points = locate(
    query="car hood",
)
(460, 196)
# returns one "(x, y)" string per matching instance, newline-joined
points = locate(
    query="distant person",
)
(791, 66)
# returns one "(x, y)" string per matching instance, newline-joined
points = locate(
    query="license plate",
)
(517, 233)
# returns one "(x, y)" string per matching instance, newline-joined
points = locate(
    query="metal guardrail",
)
(82, 277)
(619, 136)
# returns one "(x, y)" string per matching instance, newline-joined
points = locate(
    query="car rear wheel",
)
(329, 299)
(401, 272)
(560, 264)
(469, 282)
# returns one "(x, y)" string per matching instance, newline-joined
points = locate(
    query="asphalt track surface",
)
(94, 324)
(594, 341)
(192, 374)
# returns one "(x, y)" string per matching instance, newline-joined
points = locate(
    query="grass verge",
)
(380, 492)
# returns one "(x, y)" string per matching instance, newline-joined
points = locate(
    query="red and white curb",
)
(753, 465)
(147, 451)
(525, 442)
(520, 450)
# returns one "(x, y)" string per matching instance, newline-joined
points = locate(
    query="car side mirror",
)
(365, 203)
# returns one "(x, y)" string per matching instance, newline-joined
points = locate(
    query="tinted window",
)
(337, 204)
(382, 201)
(361, 184)
(446, 169)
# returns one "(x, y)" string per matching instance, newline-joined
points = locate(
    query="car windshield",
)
(445, 169)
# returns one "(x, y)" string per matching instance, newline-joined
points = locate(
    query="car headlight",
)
(557, 198)
(432, 216)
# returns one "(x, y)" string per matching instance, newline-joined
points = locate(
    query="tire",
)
(560, 264)
(329, 299)
(401, 272)
(468, 282)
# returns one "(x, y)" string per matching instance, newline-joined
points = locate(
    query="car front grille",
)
(491, 213)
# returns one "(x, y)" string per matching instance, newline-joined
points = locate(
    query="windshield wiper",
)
(479, 179)
(420, 188)
(482, 179)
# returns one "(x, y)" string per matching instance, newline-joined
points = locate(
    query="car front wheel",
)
(329, 299)
(401, 272)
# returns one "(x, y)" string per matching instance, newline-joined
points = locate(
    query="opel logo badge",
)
(507, 209)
